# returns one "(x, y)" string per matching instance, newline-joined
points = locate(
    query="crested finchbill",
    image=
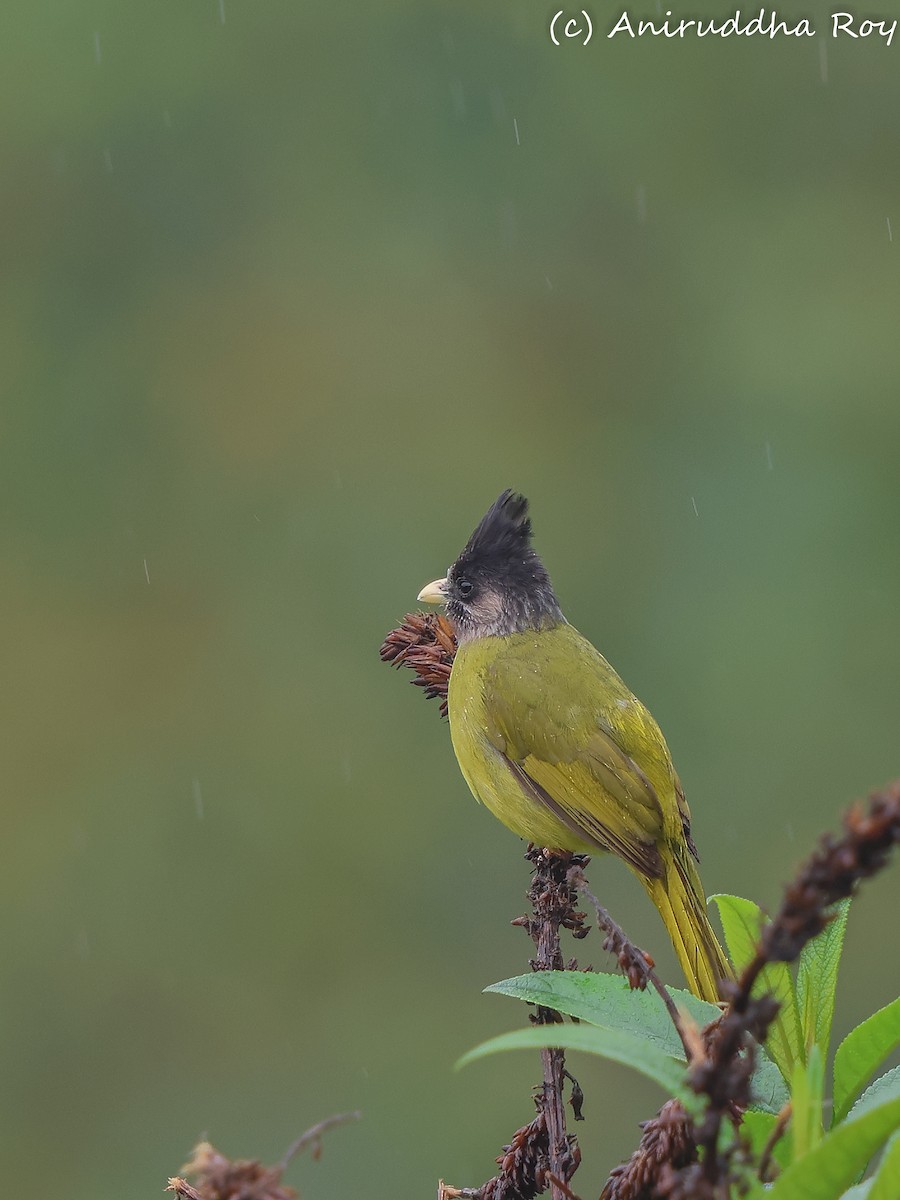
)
(550, 739)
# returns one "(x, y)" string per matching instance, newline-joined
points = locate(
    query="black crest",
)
(503, 533)
(498, 584)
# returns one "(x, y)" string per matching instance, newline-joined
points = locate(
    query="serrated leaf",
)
(743, 921)
(606, 1000)
(886, 1087)
(886, 1183)
(860, 1053)
(817, 980)
(640, 1055)
(826, 1172)
(770, 1093)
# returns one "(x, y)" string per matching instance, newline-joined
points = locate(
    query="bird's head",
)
(498, 585)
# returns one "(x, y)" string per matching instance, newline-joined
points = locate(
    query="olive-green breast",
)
(552, 741)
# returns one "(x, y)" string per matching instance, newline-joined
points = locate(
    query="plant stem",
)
(553, 899)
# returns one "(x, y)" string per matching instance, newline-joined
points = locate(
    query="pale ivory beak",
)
(434, 593)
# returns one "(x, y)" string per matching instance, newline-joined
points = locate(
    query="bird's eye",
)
(465, 587)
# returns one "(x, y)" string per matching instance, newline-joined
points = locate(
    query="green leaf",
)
(606, 1000)
(886, 1184)
(860, 1053)
(886, 1087)
(759, 1127)
(611, 1044)
(806, 1102)
(826, 1172)
(817, 980)
(770, 1093)
(743, 921)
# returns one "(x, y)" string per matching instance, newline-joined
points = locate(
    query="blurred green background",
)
(290, 293)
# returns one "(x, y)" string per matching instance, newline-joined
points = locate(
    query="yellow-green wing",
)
(547, 715)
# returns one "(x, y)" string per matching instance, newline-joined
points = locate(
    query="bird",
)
(550, 739)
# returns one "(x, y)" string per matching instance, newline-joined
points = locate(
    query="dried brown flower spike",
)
(666, 1142)
(425, 643)
(219, 1178)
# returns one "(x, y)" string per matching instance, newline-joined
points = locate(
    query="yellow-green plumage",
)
(551, 740)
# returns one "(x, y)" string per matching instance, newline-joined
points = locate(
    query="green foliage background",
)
(286, 302)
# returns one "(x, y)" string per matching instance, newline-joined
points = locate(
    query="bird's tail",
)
(678, 896)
